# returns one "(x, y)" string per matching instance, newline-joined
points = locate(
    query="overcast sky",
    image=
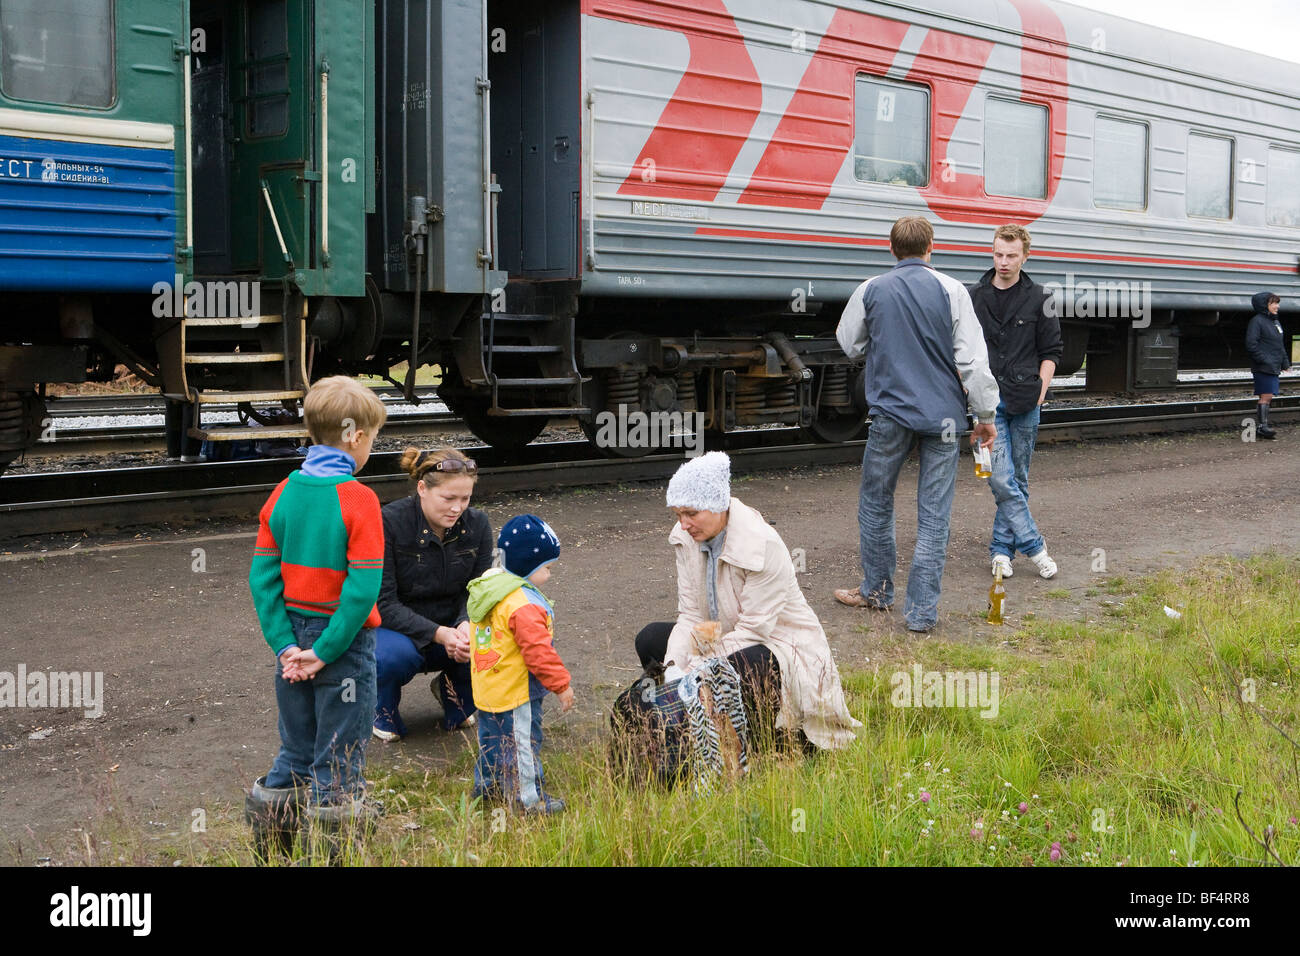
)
(1266, 26)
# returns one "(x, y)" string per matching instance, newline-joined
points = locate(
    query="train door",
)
(210, 123)
(536, 135)
(302, 145)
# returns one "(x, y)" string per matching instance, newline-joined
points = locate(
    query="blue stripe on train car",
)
(86, 216)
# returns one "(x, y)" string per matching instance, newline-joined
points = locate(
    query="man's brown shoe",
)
(853, 598)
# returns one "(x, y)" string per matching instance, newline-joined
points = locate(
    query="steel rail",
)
(114, 498)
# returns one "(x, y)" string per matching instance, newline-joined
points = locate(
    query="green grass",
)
(1126, 742)
(425, 375)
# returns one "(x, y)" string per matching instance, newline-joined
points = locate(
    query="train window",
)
(267, 71)
(1119, 164)
(892, 133)
(1209, 176)
(1283, 186)
(57, 51)
(1015, 148)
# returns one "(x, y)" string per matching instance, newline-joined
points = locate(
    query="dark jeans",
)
(325, 721)
(398, 661)
(760, 677)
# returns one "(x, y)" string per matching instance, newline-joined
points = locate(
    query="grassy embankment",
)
(1123, 742)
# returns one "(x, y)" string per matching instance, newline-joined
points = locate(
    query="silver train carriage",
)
(687, 191)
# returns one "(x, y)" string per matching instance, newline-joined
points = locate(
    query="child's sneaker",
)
(469, 723)
(547, 805)
(1002, 563)
(1046, 566)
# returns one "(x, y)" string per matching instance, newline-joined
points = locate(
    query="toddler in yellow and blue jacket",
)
(513, 664)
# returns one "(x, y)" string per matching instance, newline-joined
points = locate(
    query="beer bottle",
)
(997, 595)
(983, 462)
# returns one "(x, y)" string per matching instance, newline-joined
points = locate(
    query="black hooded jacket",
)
(1026, 336)
(1264, 339)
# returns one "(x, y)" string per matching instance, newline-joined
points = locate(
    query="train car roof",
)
(1132, 40)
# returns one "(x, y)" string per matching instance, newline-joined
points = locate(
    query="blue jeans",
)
(888, 445)
(509, 764)
(1013, 526)
(397, 661)
(325, 721)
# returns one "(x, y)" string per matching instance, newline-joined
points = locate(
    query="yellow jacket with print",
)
(512, 653)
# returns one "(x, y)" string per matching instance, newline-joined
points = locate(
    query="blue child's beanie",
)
(527, 542)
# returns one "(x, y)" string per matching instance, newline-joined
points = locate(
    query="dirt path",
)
(189, 717)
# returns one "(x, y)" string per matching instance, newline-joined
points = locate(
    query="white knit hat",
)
(702, 484)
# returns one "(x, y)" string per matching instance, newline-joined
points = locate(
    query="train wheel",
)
(837, 426)
(603, 398)
(842, 410)
(22, 415)
(506, 433)
(622, 428)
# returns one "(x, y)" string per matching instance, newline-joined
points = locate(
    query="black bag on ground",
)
(651, 738)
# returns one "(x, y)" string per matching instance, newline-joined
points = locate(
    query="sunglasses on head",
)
(453, 465)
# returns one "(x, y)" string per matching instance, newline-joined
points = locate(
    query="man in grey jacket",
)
(925, 361)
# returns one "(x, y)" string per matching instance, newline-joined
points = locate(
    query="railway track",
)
(105, 438)
(53, 502)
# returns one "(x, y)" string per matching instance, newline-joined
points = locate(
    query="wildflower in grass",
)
(945, 770)
(1293, 821)
(925, 796)
(1072, 837)
(977, 834)
(1056, 852)
(1023, 808)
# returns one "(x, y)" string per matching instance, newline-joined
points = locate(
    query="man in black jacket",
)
(1267, 347)
(1024, 343)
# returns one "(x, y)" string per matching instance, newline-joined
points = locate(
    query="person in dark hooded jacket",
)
(1266, 344)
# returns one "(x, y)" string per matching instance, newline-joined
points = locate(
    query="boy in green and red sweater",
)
(316, 572)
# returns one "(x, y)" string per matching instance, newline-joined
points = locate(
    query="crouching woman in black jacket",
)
(434, 545)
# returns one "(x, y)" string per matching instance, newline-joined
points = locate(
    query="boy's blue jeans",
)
(325, 721)
(1014, 528)
(888, 444)
(509, 761)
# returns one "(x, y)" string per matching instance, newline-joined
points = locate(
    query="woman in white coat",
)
(733, 568)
